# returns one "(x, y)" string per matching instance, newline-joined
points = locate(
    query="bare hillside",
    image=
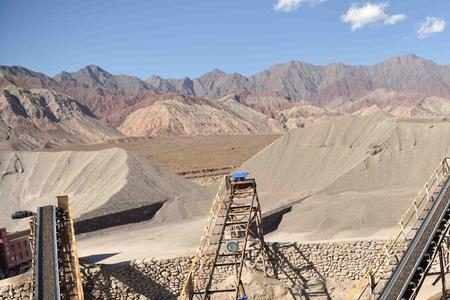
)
(39, 118)
(188, 116)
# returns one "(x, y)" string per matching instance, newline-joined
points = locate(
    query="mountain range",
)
(294, 80)
(284, 96)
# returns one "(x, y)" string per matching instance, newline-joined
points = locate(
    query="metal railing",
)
(402, 234)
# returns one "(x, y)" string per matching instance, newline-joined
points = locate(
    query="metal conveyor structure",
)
(46, 275)
(55, 269)
(420, 237)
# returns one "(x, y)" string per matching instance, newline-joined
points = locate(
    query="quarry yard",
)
(367, 208)
(348, 180)
(225, 150)
(344, 182)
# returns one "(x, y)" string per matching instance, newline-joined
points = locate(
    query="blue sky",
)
(177, 38)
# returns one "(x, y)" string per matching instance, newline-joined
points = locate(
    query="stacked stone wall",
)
(296, 264)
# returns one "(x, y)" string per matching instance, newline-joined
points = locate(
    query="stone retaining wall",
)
(162, 279)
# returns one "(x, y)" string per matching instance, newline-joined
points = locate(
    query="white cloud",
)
(391, 20)
(430, 26)
(290, 5)
(359, 16)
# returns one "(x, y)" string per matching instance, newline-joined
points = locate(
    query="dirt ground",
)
(187, 153)
(432, 288)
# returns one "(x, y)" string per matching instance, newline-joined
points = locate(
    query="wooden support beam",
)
(64, 204)
(442, 271)
(239, 222)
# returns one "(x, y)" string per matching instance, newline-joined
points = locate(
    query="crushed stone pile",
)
(350, 177)
(99, 182)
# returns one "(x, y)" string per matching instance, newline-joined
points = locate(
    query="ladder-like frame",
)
(235, 220)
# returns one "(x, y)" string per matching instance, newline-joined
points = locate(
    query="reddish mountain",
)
(37, 118)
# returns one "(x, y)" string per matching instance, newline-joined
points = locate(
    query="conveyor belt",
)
(410, 272)
(46, 286)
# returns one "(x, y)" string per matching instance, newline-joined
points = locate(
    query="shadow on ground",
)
(136, 281)
(93, 259)
(283, 267)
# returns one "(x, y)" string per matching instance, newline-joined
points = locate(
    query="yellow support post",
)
(64, 203)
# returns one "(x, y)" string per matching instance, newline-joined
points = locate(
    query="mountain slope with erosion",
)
(181, 115)
(38, 118)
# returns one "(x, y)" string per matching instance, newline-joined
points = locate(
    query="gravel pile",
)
(348, 178)
(99, 182)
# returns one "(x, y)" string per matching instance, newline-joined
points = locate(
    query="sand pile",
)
(101, 183)
(355, 175)
(258, 286)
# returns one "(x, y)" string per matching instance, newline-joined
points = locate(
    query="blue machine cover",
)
(239, 175)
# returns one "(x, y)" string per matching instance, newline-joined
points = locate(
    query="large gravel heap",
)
(100, 183)
(351, 177)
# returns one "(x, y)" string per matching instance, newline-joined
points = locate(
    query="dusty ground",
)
(142, 240)
(187, 153)
(432, 288)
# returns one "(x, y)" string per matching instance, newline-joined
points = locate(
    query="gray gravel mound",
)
(100, 183)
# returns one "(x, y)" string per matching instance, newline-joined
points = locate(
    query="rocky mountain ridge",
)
(294, 80)
(38, 118)
(321, 85)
